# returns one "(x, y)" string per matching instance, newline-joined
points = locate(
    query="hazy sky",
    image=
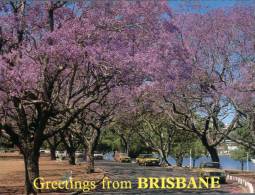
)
(210, 4)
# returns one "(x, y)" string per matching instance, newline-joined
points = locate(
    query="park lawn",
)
(12, 172)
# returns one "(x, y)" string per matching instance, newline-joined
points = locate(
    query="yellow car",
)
(212, 169)
(147, 159)
(122, 157)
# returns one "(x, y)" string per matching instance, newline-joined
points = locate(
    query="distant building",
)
(227, 146)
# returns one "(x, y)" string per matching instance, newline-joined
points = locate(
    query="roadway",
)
(130, 172)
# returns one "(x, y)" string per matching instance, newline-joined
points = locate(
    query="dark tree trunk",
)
(70, 147)
(179, 160)
(31, 161)
(242, 164)
(90, 158)
(71, 155)
(53, 144)
(213, 153)
(211, 149)
(126, 144)
(53, 153)
(193, 163)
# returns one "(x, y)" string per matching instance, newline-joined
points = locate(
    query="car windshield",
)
(211, 165)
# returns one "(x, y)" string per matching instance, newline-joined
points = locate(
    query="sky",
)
(210, 4)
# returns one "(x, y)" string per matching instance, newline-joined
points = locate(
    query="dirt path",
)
(12, 173)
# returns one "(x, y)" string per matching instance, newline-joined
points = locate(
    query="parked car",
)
(61, 154)
(79, 154)
(47, 151)
(122, 157)
(98, 156)
(210, 169)
(42, 151)
(147, 159)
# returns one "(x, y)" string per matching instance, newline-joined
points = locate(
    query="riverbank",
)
(249, 176)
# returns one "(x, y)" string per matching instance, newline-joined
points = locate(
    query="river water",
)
(226, 162)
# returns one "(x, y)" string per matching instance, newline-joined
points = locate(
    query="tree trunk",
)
(242, 164)
(53, 144)
(85, 153)
(213, 153)
(91, 145)
(163, 158)
(126, 144)
(211, 149)
(70, 148)
(179, 161)
(193, 163)
(90, 157)
(53, 153)
(127, 148)
(71, 155)
(31, 161)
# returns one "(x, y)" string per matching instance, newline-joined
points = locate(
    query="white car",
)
(42, 151)
(60, 154)
(79, 154)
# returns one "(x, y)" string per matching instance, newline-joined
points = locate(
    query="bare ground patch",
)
(12, 172)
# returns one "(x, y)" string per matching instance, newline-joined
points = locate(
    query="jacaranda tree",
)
(58, 58)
